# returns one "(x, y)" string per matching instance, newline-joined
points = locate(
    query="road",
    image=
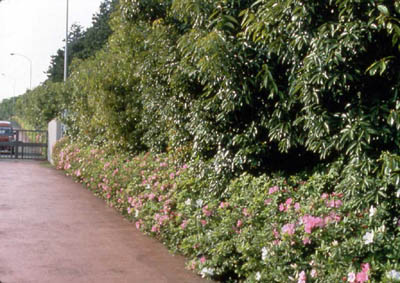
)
(54, 230)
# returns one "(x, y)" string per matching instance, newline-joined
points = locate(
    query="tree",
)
(7, 108)
(83, 44)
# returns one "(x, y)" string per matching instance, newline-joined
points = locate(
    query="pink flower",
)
(330, 203)
(362, 276)
(306, 241)
(311, 222)
(365, 267)
(108, 196)
(115, 172)
(155, 229)
(288, 202)
(282, 207)
(138, 223)
(203, 259)
(206, 211)
(324, 196)
(297, 206)
(302, 277)
(332, 217)
(246, 212)
(334, 203)
(184, 224)
(267, 201)
(203, 222)
(223, 204)
(151, 196)
(239, 223)
(171, 176)
(273, 190)
(288, 229)
(185, 166)
(276, 234)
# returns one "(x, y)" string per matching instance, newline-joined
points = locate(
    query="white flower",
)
(314, 273)
(264, 253)
(398, 193)
(188, 202)
(258, 276)
(335, 243)
(382, 228)
(368, 238)
(207, 271)
(199, 203)
(394, 275)
(351, 277)
(372, 211)
(136, 213)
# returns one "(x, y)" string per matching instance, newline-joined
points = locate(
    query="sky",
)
(35, 29)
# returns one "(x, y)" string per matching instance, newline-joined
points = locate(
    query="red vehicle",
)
(6, 136)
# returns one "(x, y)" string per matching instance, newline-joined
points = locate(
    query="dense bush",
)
(287, 113)
(268, 229)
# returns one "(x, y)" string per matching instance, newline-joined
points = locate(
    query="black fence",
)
(25, 144)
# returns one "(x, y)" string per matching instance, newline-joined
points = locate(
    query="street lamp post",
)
(30, 67)
(66, 46)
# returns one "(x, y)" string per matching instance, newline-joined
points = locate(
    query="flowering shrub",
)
(266, 228)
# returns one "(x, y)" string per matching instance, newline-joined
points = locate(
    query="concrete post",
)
(55, 133)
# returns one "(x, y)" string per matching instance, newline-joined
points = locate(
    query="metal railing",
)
(25, 144)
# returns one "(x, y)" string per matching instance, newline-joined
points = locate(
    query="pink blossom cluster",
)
(289, 229)
(161, 219)
(361, 276)
(224, 204)
(287, 205)
(206, 211)
(273, 189)
(331, 201)
(310, 222)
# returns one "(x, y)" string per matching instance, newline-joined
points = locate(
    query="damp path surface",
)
(54, 230)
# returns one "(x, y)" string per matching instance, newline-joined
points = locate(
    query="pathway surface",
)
(54, 230)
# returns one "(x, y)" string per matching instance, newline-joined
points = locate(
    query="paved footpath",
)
(54, 230)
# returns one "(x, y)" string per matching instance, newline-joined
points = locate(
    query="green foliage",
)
(42, 104)
(7, 108)
(241, 89)
(266, 228)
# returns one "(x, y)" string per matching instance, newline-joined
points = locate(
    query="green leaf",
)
(383, 9)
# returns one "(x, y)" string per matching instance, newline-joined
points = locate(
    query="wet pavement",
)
(54, 230)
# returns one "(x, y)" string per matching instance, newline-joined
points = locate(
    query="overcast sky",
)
(35, 29)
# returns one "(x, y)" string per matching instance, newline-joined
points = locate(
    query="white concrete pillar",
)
(55, 133)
